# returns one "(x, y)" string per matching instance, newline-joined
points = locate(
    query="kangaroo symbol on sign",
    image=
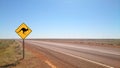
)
(23, 30)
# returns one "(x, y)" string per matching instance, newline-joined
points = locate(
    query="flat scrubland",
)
(11, 56)
(98, 42)
(10, 53)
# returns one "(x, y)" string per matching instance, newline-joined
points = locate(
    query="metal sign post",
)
(23, 49)
(23, 31)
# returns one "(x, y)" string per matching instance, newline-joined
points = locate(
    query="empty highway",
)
(63, 55)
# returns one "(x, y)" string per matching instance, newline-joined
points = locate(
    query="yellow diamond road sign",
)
(23, 30)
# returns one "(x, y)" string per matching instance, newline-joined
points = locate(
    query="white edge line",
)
(89, 60)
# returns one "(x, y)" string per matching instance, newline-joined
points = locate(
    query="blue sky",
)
(61, 18)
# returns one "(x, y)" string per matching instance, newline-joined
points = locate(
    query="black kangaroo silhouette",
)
(24, 30)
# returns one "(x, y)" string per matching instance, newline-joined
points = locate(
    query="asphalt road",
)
(77, 56)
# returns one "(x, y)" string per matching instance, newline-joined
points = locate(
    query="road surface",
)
(77, 56)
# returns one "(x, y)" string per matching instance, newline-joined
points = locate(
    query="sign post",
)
(23, 31)
(23, 49)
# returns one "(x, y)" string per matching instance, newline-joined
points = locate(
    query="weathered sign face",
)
(23, 30)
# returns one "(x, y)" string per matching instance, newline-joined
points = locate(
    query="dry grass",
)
(10, 53)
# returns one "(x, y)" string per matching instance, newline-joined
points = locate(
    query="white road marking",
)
(50, 64)
(88, 60)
